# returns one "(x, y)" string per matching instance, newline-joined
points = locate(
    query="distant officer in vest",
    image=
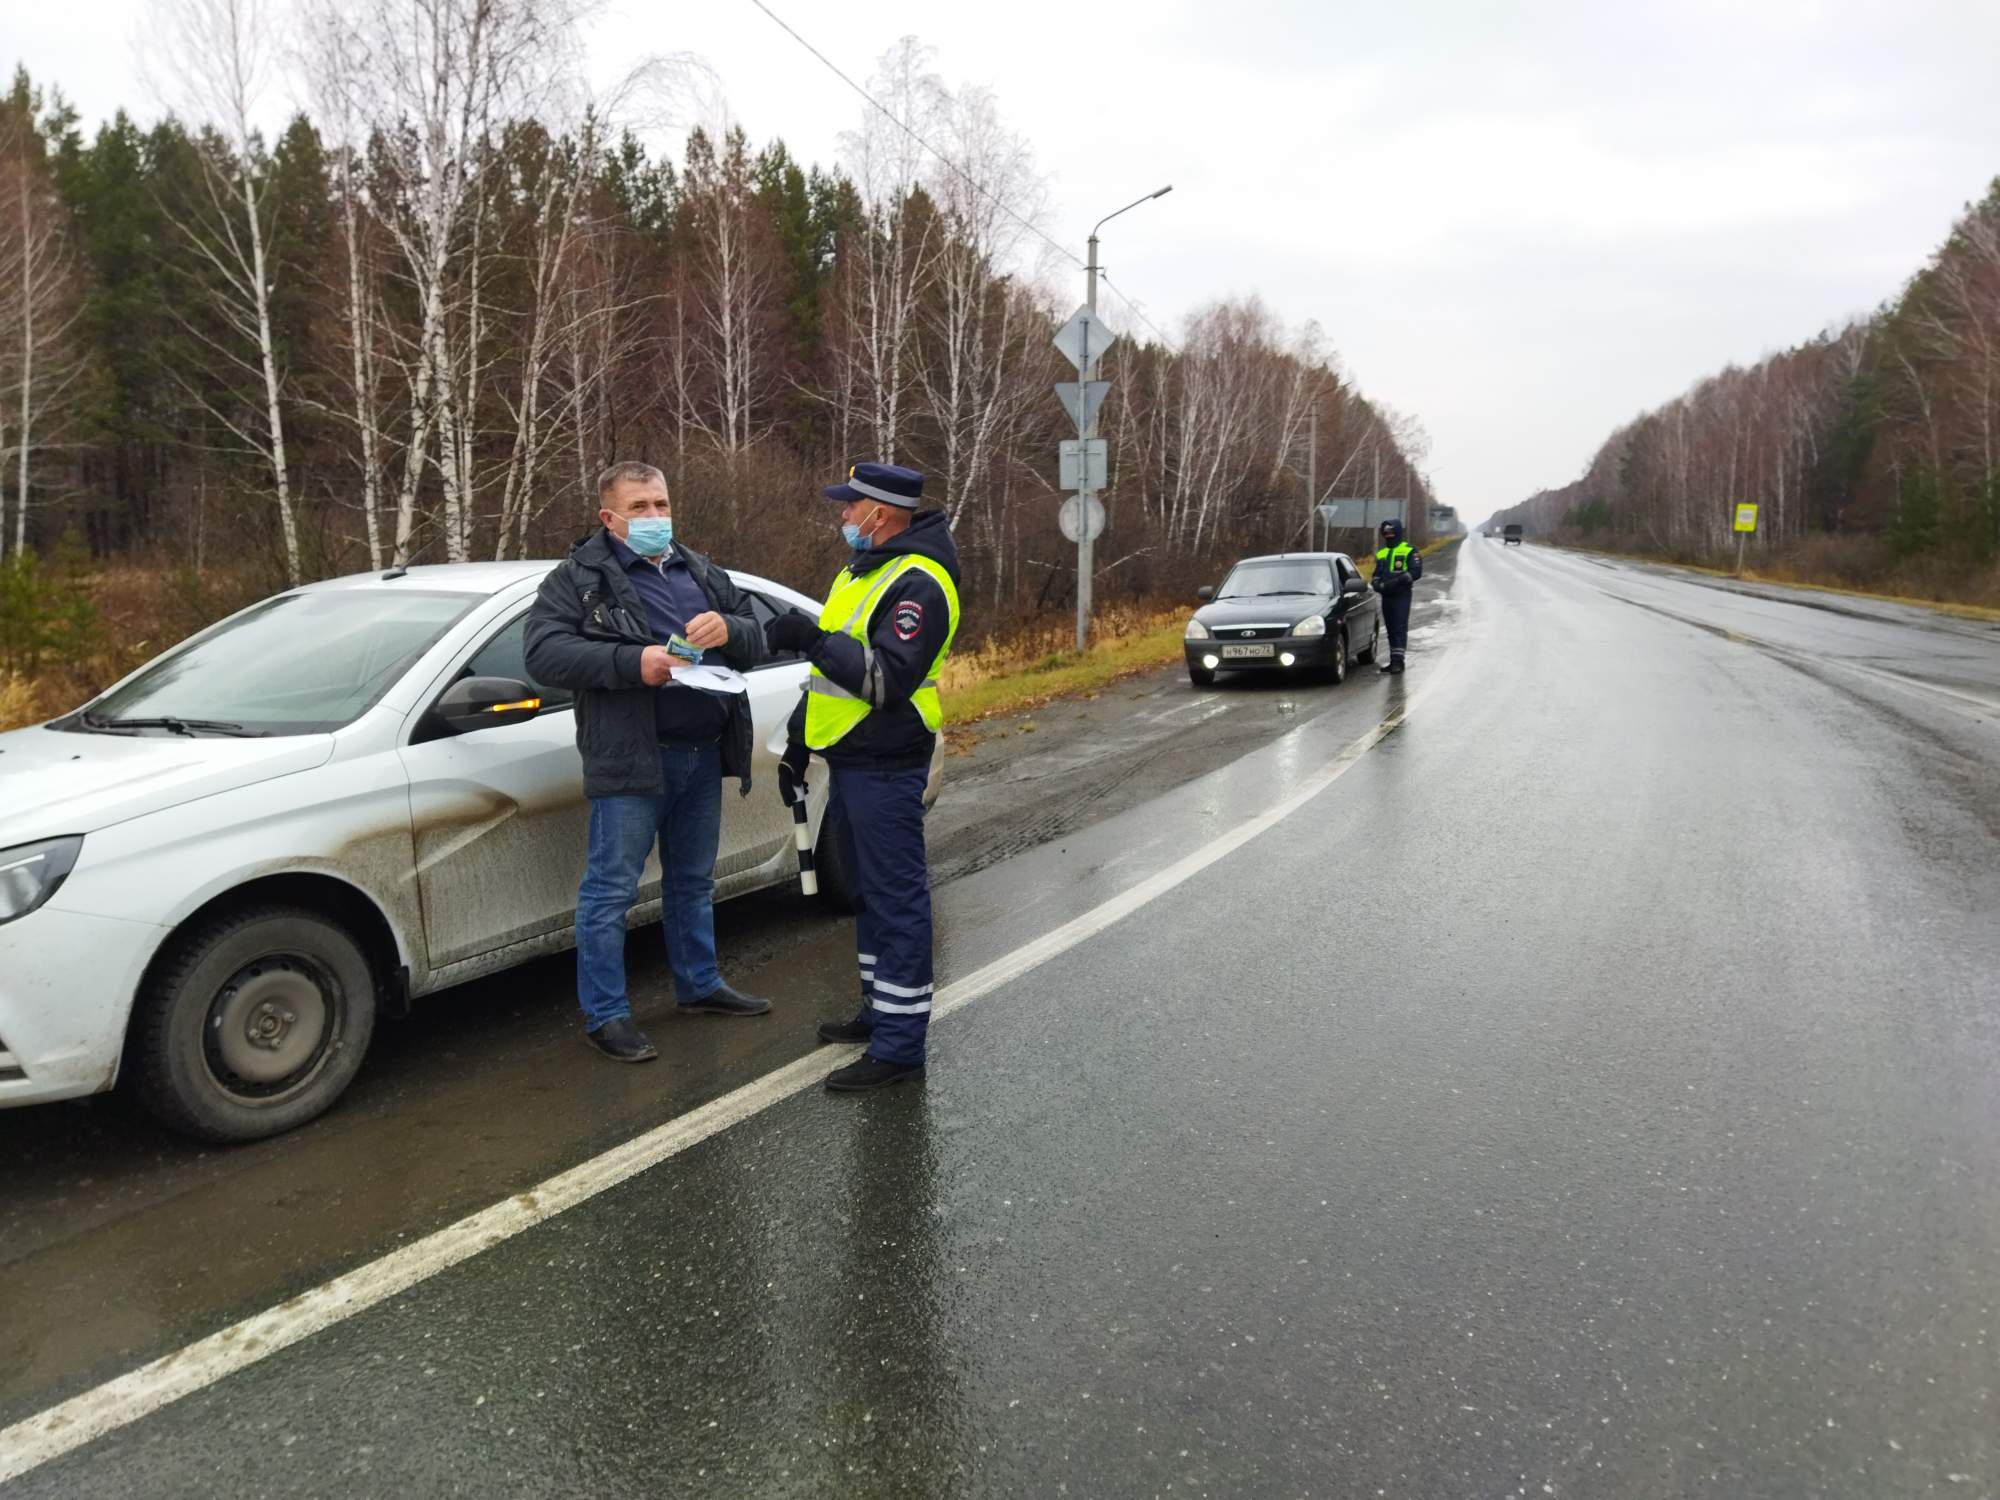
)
(871, 711)
(1398, 566)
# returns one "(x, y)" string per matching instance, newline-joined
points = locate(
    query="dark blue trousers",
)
(1396, 620)
(879, 823)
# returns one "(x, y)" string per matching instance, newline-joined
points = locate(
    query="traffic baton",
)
(808, 881)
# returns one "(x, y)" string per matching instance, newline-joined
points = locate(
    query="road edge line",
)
(125, 1399)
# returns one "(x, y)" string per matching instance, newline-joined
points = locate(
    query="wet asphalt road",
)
(1590, 1092)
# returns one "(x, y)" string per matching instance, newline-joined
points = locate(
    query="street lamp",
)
(1083, 538)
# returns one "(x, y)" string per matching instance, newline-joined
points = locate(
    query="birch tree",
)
(432, 81)
(41, 360)
(975, 373)
(216, 54)
(887, 261)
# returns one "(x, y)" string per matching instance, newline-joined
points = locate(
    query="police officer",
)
(871, 711)
(1398, 566)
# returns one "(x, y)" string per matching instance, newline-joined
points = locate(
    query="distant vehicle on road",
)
(217, 873)
(1303, 612)
(1511, 537)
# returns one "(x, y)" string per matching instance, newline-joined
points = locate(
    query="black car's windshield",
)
(297, 664)
(1290, 575)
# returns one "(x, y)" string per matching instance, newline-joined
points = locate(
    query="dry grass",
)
(1038, 664)
(140, 612)
(1901, 588)
(25, 702)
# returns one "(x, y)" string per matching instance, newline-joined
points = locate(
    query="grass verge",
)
(1027, 671)
(1786, 578)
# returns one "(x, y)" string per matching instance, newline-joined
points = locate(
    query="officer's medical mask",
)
(850, 533)
(649, 536)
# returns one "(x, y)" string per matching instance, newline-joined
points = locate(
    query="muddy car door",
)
(499, 816)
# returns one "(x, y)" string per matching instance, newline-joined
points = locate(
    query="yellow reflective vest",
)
(1394, 559)
(831, 710)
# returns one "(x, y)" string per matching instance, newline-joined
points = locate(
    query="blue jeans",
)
(686, 819)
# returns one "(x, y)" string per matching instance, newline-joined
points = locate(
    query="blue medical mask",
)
(649, 536)
(850, 533)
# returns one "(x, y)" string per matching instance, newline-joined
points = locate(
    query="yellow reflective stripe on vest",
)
(832, 711)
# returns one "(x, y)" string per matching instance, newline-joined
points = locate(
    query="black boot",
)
(856, 1030)
(1396, 667)
(621, 1041)
(870, 1073)
(724, 1001)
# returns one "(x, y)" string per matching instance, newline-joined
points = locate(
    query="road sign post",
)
(1746, 524)
(1084, 463)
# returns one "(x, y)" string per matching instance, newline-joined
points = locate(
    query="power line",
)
(970, 181)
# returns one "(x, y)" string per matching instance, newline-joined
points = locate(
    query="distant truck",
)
(1511, 536)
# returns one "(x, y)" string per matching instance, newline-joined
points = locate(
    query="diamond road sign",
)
(1081, 400)
(1083, 340)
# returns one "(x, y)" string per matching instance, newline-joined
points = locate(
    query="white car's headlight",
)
(1310, 625)
(30, 873)
(1196, 631)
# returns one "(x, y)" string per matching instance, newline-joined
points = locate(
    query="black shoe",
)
(1395, 669)
(870, 1073)
(725, 1002)
(856, 1030)
(621, 1041)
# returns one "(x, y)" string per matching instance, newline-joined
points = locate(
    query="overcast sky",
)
(1522, 220)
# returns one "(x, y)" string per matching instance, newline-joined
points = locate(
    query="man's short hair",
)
(627, 472)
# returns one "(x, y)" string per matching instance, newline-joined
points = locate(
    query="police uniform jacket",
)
(907, 630)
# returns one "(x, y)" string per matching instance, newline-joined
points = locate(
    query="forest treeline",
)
(1872, 450)
(415, 323)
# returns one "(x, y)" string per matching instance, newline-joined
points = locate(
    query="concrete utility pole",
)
(1088, 430)
(1312, 472)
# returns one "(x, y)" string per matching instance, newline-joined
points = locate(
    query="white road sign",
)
(1072, 509)
(1083, 464)
(1083, 340)
(1081, 400)
(1360, 514)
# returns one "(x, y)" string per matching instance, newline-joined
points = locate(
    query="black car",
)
(1296, 612)
(1511, 537)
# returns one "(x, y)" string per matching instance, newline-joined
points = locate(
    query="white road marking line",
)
(117, 1403)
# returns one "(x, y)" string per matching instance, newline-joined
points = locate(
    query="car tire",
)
(1335, 670)
(1367, 657)
(252, 1024)
(839, 887)
(1201, 677)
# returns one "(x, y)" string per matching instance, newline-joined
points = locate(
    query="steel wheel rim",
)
(271, 1028)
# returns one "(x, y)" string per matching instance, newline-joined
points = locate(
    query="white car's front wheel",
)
(253, 1023)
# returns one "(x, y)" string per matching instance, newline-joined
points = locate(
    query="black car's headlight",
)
(30, 873)
(1310, 625)
(1196, 631)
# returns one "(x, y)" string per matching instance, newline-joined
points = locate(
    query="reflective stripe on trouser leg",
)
(1396, 620)
(886, 811)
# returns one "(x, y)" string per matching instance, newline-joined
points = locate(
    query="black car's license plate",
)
(1232, 651)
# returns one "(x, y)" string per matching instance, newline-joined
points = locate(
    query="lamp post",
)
(1084, 544)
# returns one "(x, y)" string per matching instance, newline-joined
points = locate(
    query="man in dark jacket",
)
(654, 753)
(871, 711)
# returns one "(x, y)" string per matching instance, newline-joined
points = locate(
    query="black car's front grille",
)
(10, 1066)
(1250, 632)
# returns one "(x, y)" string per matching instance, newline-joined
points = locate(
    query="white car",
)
(216, 874)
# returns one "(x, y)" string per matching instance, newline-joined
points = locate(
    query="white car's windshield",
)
(1298, 575)
(297, 664)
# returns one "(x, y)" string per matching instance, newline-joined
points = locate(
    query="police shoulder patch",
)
(908, 620)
